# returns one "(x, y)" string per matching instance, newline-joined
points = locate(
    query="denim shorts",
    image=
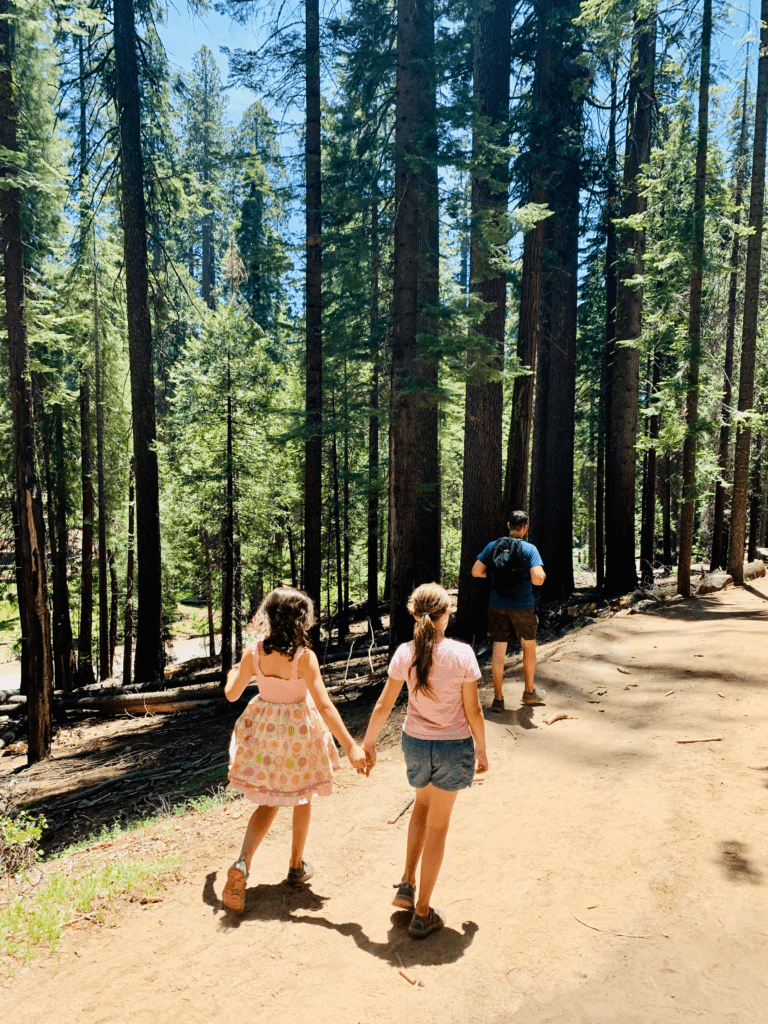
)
(447, 764)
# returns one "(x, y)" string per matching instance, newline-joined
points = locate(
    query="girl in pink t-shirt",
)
(444, 716)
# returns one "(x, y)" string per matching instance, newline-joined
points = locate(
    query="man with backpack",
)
(513, 567)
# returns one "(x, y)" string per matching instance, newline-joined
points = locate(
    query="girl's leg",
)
(417, 830)
(440, 804)
(258, 826)
(301, 815)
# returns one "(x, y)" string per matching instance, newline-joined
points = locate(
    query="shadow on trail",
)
(279, 902)
(737, 866)
(756, 592)
(400, 950)
(264, 902)
(522, 716)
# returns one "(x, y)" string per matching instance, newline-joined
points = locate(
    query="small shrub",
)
(18, 841)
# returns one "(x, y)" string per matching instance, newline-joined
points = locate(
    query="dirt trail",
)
(593, 826)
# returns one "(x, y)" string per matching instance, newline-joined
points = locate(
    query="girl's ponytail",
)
(428, 602)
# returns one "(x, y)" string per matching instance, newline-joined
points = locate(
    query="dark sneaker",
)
(497, 704)
(405, 896)
(534, 696)
(297, 876)
(233, 896)
(421, 927)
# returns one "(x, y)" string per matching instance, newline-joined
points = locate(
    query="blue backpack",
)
(509, 567)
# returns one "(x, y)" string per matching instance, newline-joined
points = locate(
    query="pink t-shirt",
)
(438, 714)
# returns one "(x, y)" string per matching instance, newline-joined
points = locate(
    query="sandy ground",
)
(601, 873)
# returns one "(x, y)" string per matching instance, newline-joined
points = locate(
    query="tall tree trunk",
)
(621, 574)
(85, 636)
(113, 606)
(128, 622)
(611, 290)
(37, 667)
(209, 595)
(313, 451)
(515, 495)
(292, 554)
(694, 317)
(482, 516)
(150, 653)
(105, 662)
(238, 555)
(373, 431)
(414, 78)
(342, 616)
(427, 540)
(749, 325)
(648, 523)
(553, 438)
(718, 557)
(755, 500)
(68, 662)
(227, 590)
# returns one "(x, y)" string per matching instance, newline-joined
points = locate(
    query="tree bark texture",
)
(228, 581)
(694, 317)
(621, 574)
(719, 555)
(551, 502)
(85, 634)
(150, 653)
(482, 517)
(648, 522)
(105, 661)
(515, 495)
(740, 492)
(313, 450)
(372, 550)
(410, 388)
(128, 621)
(37, 667)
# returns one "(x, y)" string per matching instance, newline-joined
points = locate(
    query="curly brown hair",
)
(428, 602)
(290, 615)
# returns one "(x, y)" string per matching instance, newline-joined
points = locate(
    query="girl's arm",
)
(380, 714)
(474, 714)
(239, 676)
(309, 670)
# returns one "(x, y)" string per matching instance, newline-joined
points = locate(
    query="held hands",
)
(358, 759)
(482, 761)
(370, 756)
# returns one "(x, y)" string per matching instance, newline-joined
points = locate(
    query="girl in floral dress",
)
(282, 753)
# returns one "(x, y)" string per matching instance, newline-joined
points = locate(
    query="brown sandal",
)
(233, 896)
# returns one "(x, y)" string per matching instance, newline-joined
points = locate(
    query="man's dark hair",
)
(517, 519)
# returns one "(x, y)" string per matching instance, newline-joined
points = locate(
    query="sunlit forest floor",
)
(603, 872)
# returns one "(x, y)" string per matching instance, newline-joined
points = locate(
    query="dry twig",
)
(623, 935)
(711, 739)
(401, 810)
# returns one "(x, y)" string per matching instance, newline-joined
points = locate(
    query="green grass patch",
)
(32, 924)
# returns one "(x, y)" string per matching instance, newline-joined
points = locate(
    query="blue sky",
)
(184, 34)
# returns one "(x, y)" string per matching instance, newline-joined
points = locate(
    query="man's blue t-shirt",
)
(523, 595)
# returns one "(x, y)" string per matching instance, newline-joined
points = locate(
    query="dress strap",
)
(295, 663)
(257, 658)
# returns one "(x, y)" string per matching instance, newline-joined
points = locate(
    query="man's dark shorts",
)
(504, 624)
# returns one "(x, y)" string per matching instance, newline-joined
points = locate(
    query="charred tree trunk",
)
(37, 667)
(621, 574)
(755, 501)
(751, 302)
(482, 516)
(209, 595)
